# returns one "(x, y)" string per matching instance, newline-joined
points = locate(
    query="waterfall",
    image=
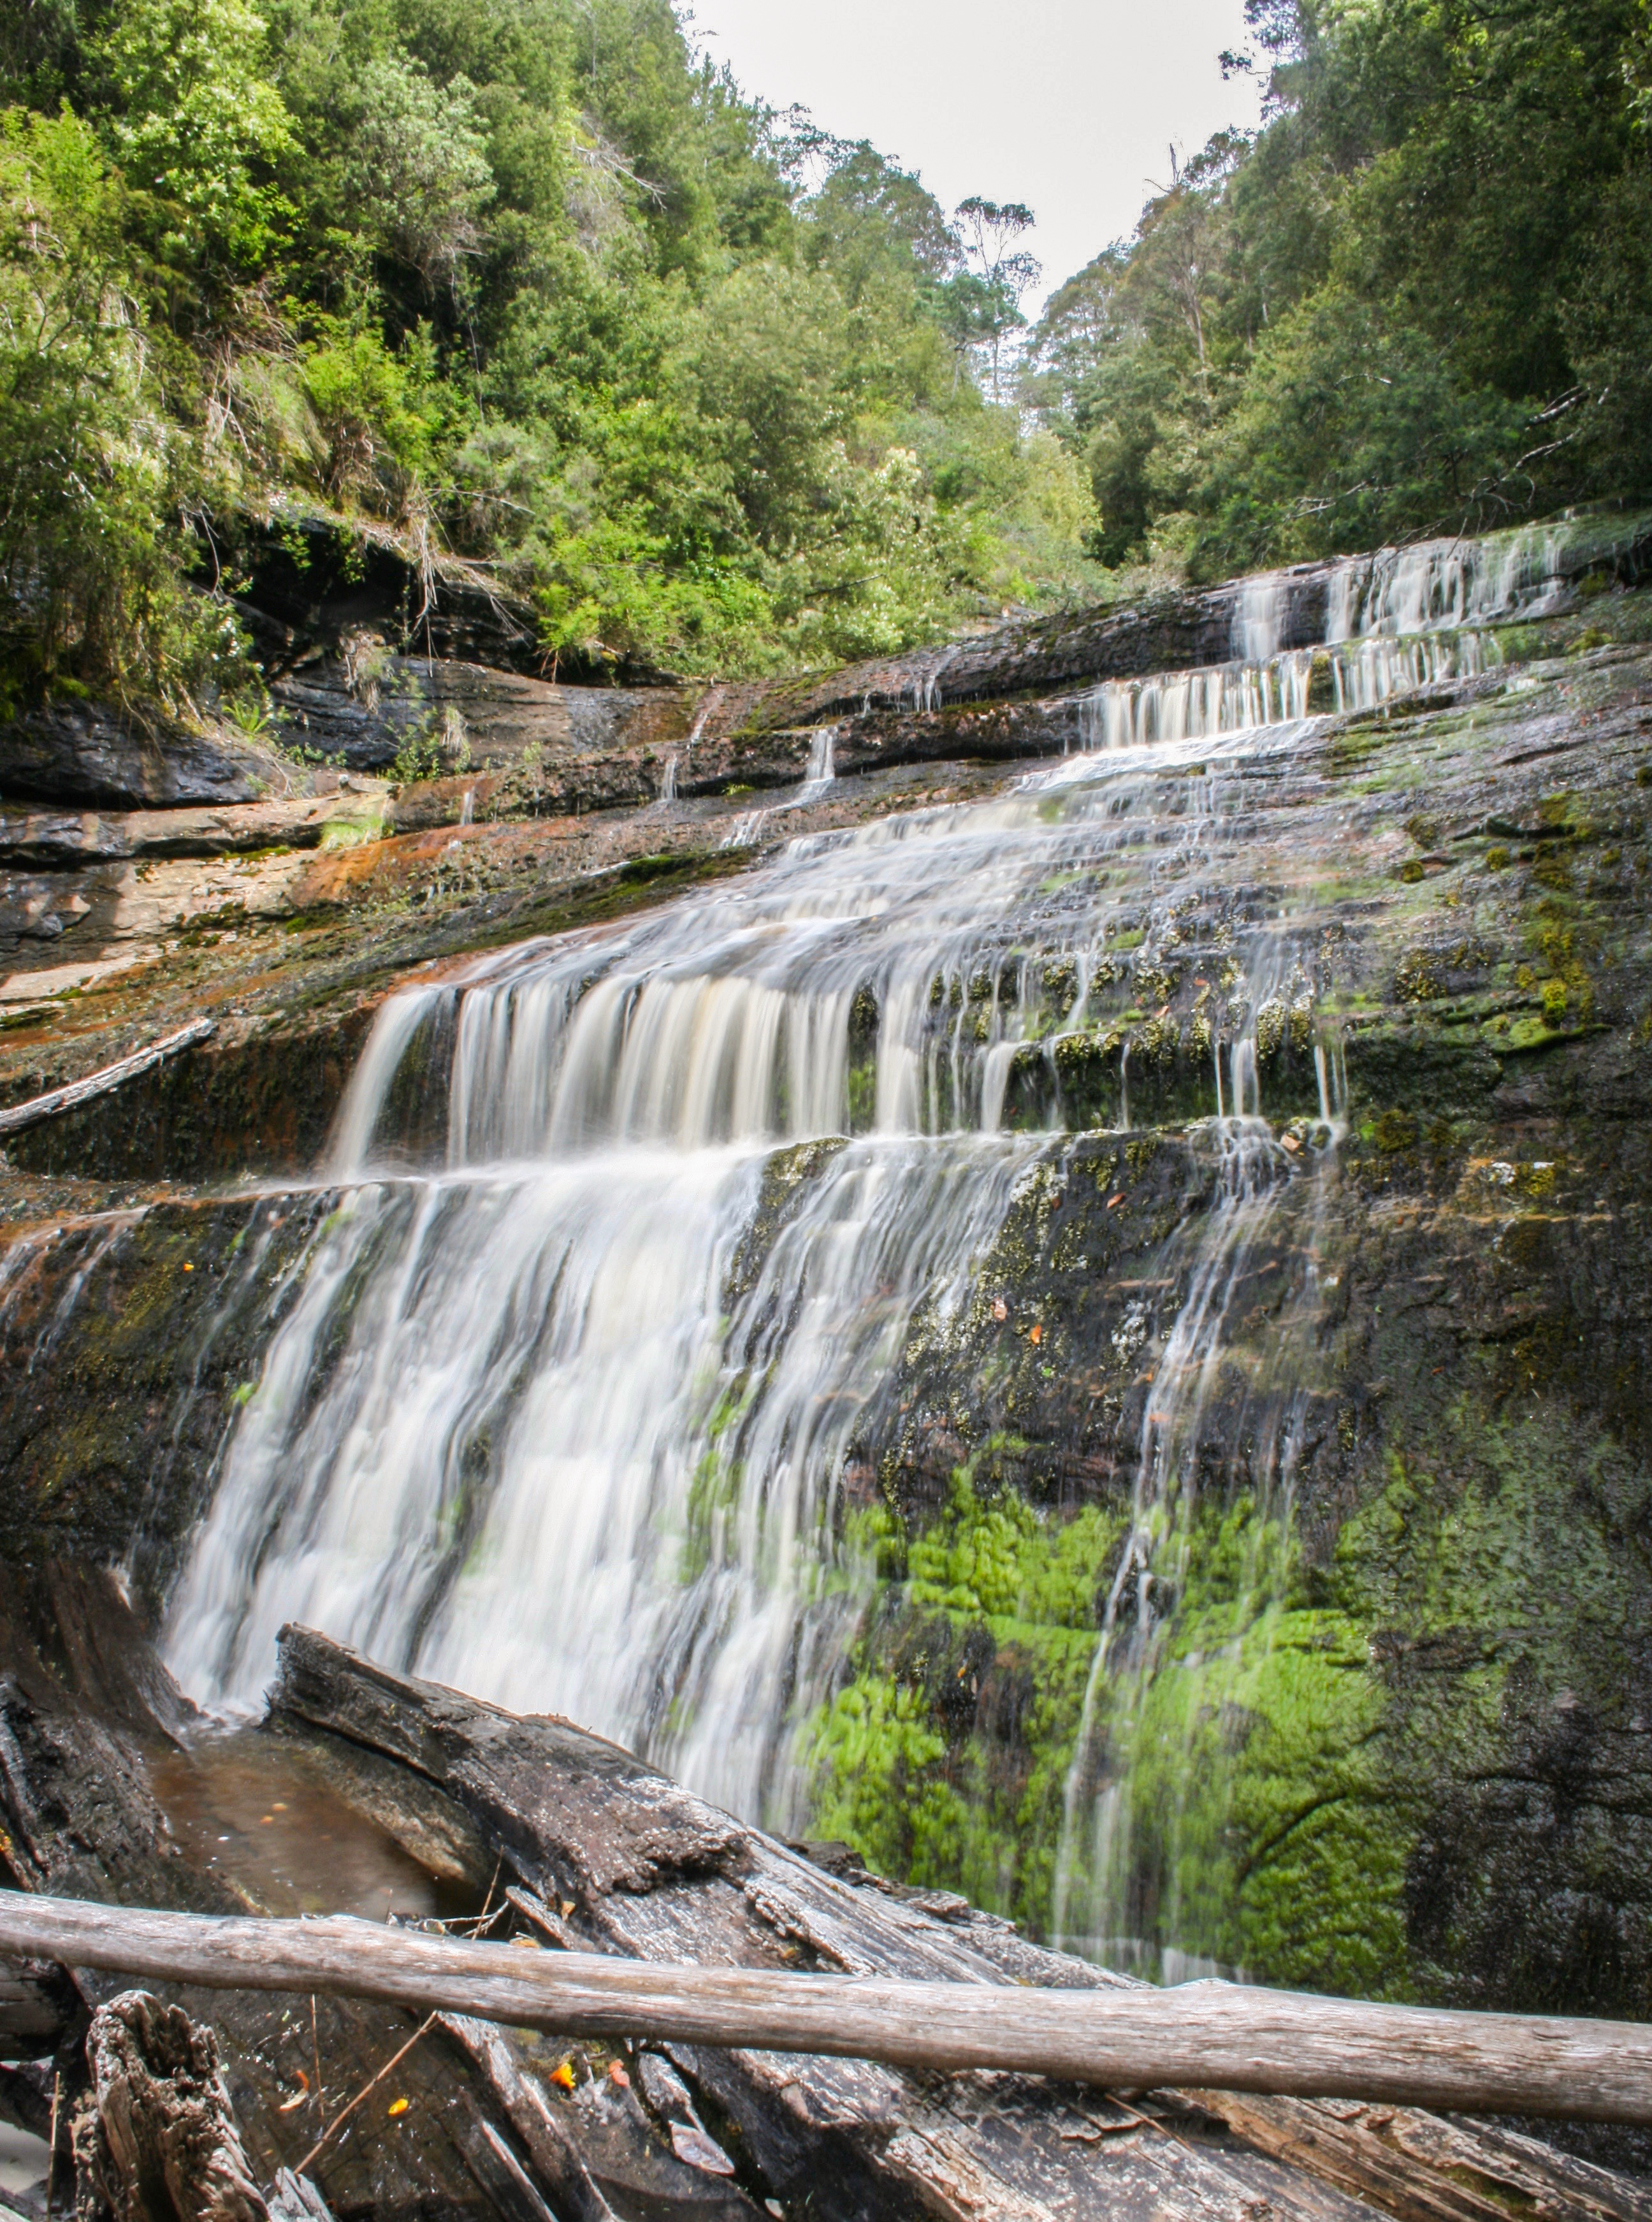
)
(1448, 583)
(822, 770)
(1359, 674)
(528, 1423)
(579, 1391)
(1401, 619)
(1263, 1213)
(1258, 617)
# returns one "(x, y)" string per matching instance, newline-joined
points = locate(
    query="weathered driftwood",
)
(600, 1852)
(76, 1092)
(161, 2138)
(633, 1865)
(1203, 2035)
(78, 1815)
(36, 2005)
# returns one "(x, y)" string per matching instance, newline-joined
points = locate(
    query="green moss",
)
(877, 1780)
(1394, 1131)
(993, 1615)
(1261, 1835)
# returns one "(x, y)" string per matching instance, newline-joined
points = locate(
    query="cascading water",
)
(1228, 698)
(822, 764)
(574, 1388)
(1394, 622)
(1447, 583)
(1263, 1225)
(527, 1425)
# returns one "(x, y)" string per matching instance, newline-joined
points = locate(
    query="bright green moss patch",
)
(1307, 1775)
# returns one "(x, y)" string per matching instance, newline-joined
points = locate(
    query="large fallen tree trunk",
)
(1216, 2036)
(580, 1844)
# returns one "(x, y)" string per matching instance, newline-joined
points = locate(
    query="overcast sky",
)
(1069, 105)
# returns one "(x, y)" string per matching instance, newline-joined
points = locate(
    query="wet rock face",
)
(1375, 1714)
(1415, 1754)
(128, 1341)
(90, 755)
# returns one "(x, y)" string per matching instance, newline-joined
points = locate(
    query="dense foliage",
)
(526, 281)
(1418, 299)
(520, 280)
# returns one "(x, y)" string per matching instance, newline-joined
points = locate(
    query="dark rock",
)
(89, 754)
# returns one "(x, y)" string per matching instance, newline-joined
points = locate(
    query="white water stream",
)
(544, 1420)
(525, 1428)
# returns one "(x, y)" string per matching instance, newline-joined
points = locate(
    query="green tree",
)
(97, 469)
(1004, 271)
(193, 118)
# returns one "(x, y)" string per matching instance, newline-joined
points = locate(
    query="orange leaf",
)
(563, 2076)
(398, 2106)
(1035, 1333)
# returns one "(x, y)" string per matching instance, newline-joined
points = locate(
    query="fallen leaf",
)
(1113, 1201)
(1290, 1142)
(1035, 1333)
(617, 2074)
(562, 2075)
(288, 2105)
(697, 2149)
(568, 1907)
(398, 2106)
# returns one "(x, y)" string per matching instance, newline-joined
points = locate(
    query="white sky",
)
(1069, 105)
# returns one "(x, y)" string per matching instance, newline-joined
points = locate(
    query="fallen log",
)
(161, 2140)
(76, 1092)
(1203, 2035)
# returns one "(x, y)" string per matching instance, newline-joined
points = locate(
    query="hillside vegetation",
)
(1418, 300)
(530, 284)
(523, 280)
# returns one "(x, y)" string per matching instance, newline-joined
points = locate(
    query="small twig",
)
(51, 2156)
(1150, 2121)
(364, 2091)
(315, 2049)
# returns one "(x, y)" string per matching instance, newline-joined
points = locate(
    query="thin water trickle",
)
(1266, 1201)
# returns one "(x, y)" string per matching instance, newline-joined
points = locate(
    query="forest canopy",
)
(1418, 300)
(524, 280)
(531, 284)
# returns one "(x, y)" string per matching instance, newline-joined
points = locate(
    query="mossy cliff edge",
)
(1398, 1739)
